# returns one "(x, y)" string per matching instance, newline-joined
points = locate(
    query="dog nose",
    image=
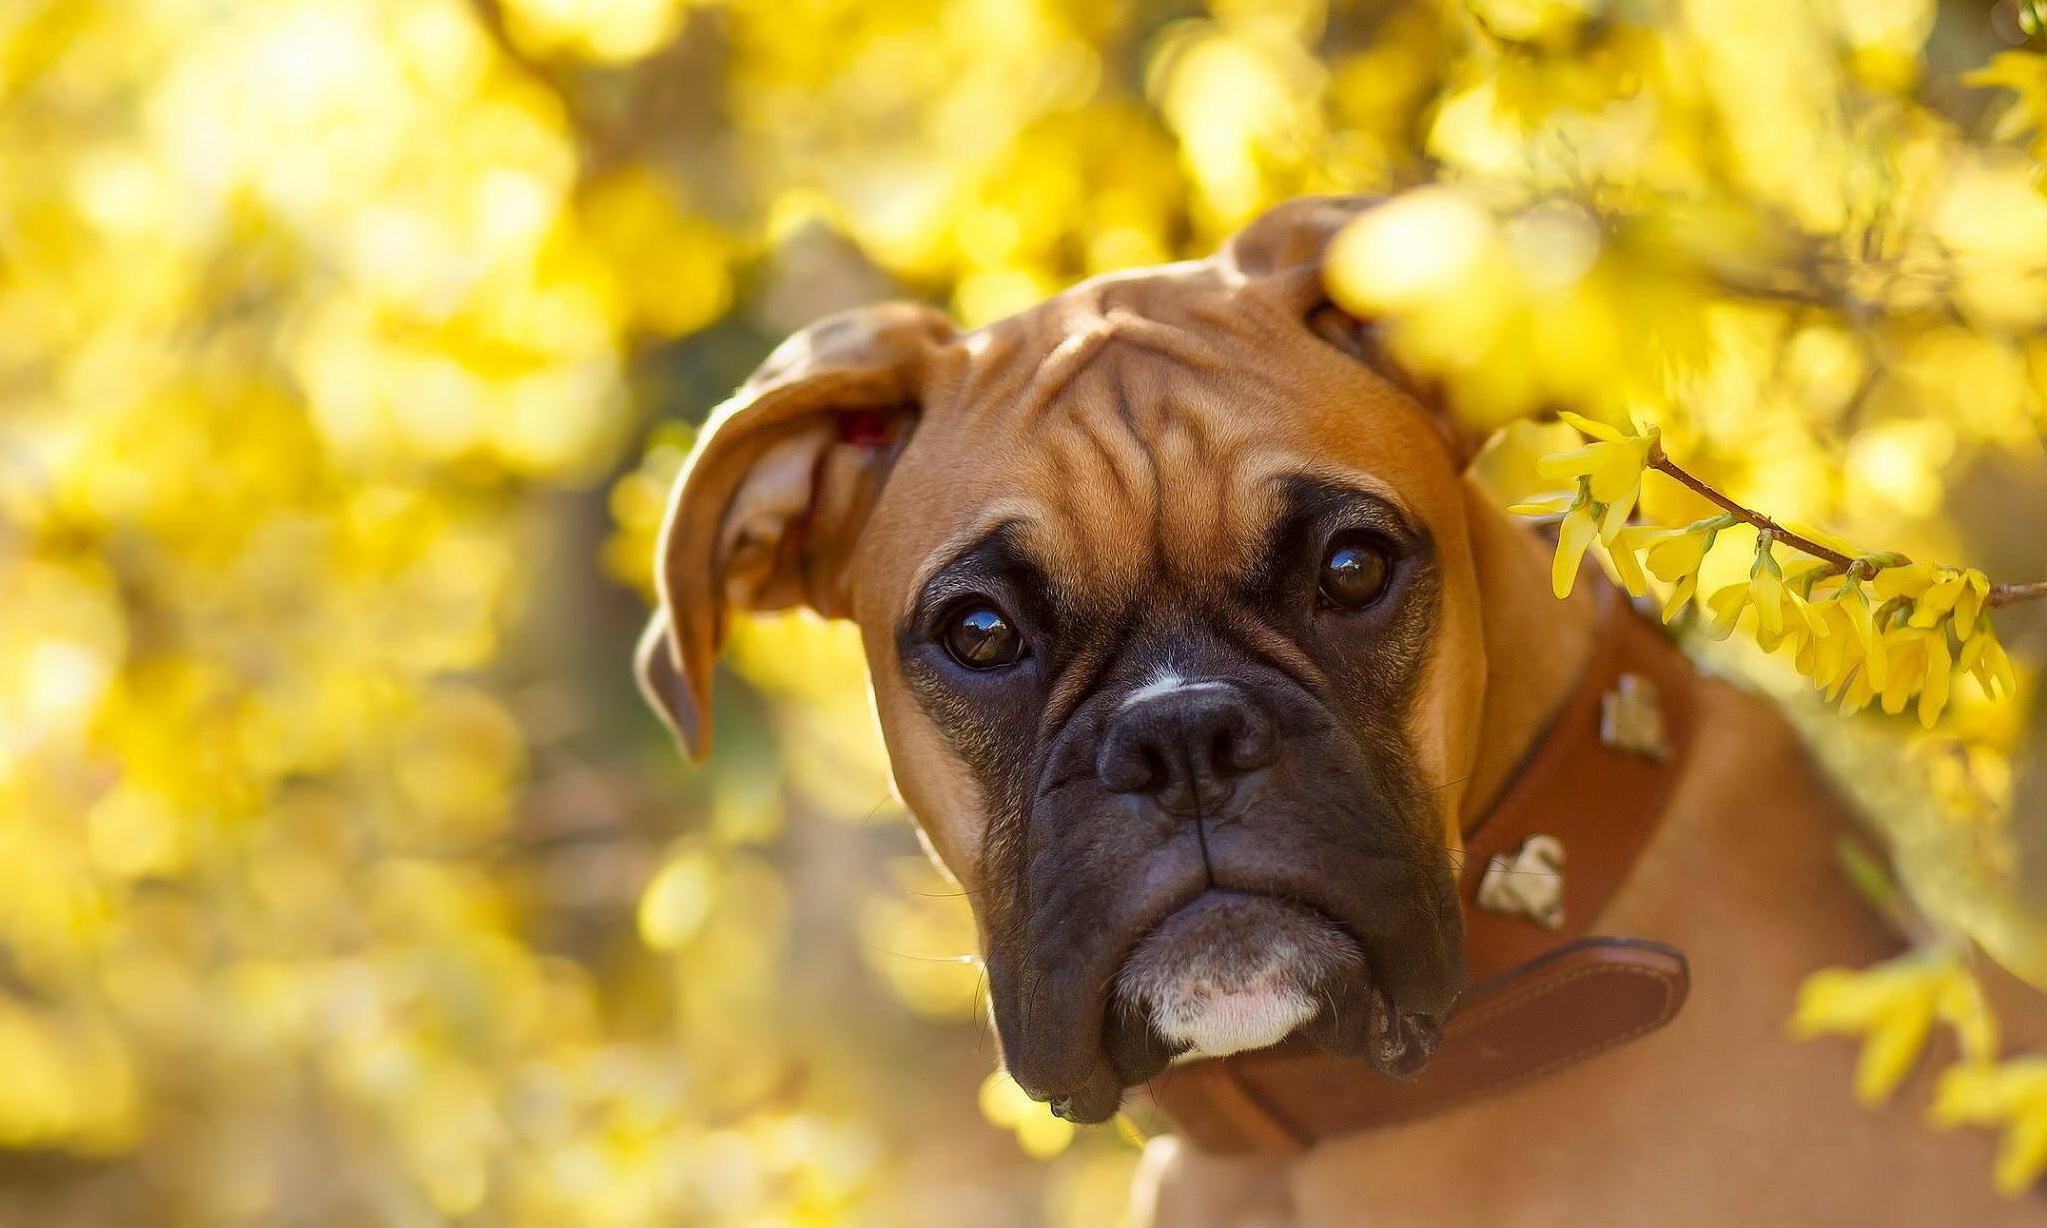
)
(1186, 751)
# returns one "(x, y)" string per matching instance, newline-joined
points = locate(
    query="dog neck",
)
(1535, 647)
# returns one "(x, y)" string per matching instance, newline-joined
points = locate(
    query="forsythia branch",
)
(1864, 627)
(1659, 460)
(2007, 594)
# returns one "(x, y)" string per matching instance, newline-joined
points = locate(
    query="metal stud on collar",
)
(1528, 883)
(1631, 719)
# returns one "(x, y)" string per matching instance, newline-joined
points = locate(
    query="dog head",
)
(1168, 599)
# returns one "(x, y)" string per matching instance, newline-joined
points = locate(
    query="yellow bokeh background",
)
(348, 349)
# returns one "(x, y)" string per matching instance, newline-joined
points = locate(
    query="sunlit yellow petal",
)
(1875, 660)
(2022, 1156)
(1571, 464)
(1629, 569)
(1724, 609)
(1889, 1054)
(1617, 472)
(1857, 694)
(1994, 670)
(1615, 518)
(1937, 602)
(1983, 1094)
(1933, 694)
(1680, 555)
(1961, 1005)
(1548, 505)
(1574, 535)
(1592, 426)
(1680, 596)
(1766, 592)
(1969, 605)
(1908, 580)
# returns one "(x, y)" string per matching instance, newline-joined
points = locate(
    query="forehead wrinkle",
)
(1056, 373)
(1096, 437)
(1219, 516)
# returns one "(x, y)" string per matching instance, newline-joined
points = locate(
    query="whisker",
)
(922, 959)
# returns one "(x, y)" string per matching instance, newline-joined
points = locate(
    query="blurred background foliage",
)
(347, 349)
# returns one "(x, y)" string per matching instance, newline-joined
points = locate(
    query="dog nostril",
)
(1222, 751)
(1127, 765)
(1242, 742)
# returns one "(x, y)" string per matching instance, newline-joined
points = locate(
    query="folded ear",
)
(1282, 250)
(769, 506)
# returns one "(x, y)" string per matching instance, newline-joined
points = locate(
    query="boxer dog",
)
(1196, 651)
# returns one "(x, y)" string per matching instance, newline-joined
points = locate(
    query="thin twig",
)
(2008, 594)
(1663, 464)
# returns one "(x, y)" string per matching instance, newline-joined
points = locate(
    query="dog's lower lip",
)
(1357, 1019)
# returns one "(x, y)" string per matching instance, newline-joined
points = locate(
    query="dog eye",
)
(982, 637)
(1355, 571)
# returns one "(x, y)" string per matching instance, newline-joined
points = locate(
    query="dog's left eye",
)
(1355, 571)
(982, 637)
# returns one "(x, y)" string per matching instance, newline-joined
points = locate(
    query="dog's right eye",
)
(980, 636)
(1355, 572)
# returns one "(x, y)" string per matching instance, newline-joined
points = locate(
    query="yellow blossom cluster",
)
(1875, 628)
(1894, 1007)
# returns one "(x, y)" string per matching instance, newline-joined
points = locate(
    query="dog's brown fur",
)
(1061, 420)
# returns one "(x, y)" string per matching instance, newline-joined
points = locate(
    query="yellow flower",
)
(1802, 624)
(1544, 505)
(1918, 662)
(1854, 606)
(1680, 552)
(1833, 651)
(1983, 656)
(1904, 580)
(1975, 591)
(1782, 616)
(1686, 589)
(1672, 554)
(1574, 537)
(1858, 694)
(1612, 464)
(1894, 1006)
(1938, 601)
(1767, 593)
(2010, 1094)
(1724, 609)
(1627, 567)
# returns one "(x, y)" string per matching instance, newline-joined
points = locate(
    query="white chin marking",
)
(1216, 1023)
(1231, 972)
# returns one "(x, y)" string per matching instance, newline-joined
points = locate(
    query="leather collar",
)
(1539, 869)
